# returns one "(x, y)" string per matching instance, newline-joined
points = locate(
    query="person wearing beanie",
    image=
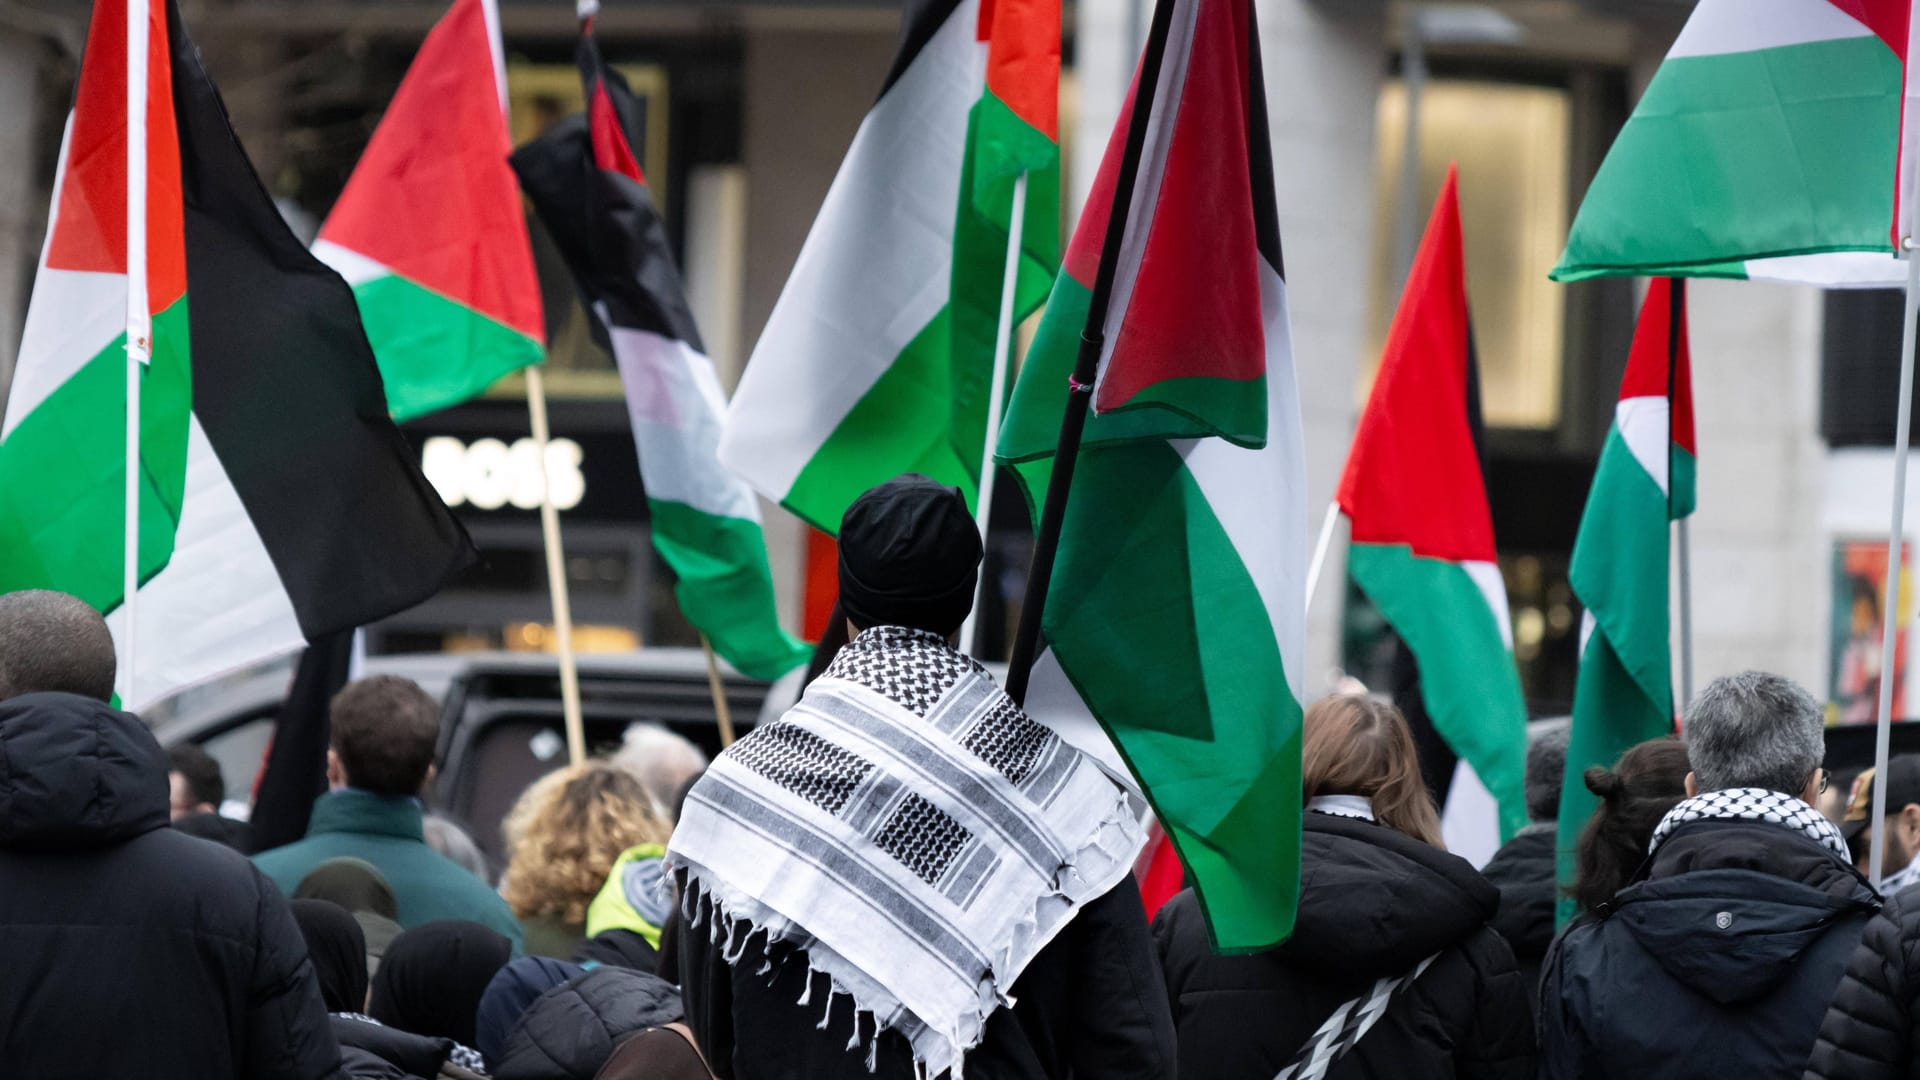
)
(906, 837)
(1523, 868)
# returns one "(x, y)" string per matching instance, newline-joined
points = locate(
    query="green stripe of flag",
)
(435, 352)
(725, 586)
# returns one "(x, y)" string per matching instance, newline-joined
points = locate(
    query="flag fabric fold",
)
(1623, 692)
(1414, 491)
(877, 357)
(429, 230)
(1175, 617)
(1768, 146)
(278, 503)
(586, 185)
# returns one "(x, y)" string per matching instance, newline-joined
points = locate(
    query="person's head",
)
(432, 976)
(513, 989)
(448, 838)
(195, 781)
(1903, 814)
(1756, 730)
(565, 833)
(662, 761)
(384, 732)
(354, 884)
(909, 556)
(338, 950)
(1546, 768)
(1649, 780)
(53, 641)
(1354, 745)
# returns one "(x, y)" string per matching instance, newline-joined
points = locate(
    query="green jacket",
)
(386, 832)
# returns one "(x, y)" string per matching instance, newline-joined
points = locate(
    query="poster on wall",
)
(1859, 599)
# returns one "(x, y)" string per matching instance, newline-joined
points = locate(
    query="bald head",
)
(53, 641)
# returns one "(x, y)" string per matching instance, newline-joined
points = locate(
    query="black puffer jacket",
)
(128, 948)
(1523, 871)
(1373, 904)
(570, 1031)
(1719, 963)
(1872, 1027)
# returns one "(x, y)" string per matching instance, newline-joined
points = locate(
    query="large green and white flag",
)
(1767, 146)
(1623, 693)
(1176, 616)
(878, 355)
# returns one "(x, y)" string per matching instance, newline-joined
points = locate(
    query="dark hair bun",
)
(1604, 782)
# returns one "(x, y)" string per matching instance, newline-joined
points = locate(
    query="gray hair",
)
(449, 839)
(1546, 769)
(53, 641)
(1755, 730)
(662, 761)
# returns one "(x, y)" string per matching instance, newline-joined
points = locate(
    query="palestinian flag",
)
(1623, 693)
(1767, 146)
(1416, 498)
(1176, 614)
(587, 188)
(429, 230)
(877, 358)
(278, 502)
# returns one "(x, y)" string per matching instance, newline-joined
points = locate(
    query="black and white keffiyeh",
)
(909, 828)
(1753, 804)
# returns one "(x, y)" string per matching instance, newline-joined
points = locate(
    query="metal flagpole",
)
(1676, 342)
(996, 395)
(1903, 430)
(1320, 547)
(722, 712)
(139, 322)
(1093, 338)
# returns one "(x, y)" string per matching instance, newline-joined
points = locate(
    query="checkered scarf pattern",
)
(913, 832)
(1752, 804)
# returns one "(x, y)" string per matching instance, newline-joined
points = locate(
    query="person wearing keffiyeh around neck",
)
(1720, 957)
(905, 875)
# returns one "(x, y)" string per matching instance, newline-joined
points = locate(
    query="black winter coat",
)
(1719, 963)
(570, 1031)
(1870, 1032)
(1524, 873)
(1373, 904)
(1089, 1006)
(128, 949)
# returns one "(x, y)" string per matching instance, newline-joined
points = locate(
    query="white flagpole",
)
(139, 322)
(1320, 550)
(1002, 357)
(1903, 430)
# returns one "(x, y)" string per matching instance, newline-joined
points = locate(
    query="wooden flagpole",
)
(1086, 366)
(996, 398)
(722, 712)
(556, 575)
(139, 325)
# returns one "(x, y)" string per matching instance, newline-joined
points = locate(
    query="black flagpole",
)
(1092, 343)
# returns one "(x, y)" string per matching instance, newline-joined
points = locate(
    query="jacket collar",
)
(353, 811)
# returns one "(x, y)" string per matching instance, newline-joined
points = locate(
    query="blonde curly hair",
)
(564, 834)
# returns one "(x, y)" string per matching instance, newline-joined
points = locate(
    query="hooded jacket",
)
(1718, 962)
(128, 948)
(570, 1031)
(1373, 904)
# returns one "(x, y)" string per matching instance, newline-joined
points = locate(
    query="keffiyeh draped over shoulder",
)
(912, 831)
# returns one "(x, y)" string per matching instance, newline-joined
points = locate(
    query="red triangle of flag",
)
(1413, 476)
(1646, 374)
(433, 198)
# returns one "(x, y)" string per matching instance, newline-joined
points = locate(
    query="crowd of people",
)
(908, 876)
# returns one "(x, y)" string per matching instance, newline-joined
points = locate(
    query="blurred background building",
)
(750, 105)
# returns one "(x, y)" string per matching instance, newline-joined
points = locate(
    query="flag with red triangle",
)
(1415, 494)
(429, 230)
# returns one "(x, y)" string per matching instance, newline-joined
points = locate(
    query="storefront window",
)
(1511, 143)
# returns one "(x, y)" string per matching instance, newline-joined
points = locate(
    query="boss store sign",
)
(483, 462)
